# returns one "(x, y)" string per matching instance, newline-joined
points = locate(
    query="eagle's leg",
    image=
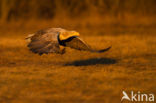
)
(62, 50)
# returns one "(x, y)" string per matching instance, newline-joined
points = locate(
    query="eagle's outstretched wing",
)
(76, 43)
(44, 42)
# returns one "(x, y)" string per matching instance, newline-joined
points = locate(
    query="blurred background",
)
(75, 14)
(72, 9)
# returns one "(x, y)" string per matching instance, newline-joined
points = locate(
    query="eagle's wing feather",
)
(76, 43)
(43, 42)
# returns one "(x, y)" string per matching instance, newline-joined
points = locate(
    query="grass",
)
(77, 77)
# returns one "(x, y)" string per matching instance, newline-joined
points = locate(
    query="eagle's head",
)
(67, 34)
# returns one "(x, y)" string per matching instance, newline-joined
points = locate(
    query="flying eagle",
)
(54, 40)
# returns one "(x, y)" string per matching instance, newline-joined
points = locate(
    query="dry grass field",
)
(76, 76)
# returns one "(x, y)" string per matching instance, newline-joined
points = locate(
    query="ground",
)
(77, 76)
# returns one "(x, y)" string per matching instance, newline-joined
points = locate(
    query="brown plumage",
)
(49, 41)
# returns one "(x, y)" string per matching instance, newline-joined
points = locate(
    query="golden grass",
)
(77, 77)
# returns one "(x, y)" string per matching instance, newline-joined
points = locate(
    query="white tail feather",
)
(28, 38)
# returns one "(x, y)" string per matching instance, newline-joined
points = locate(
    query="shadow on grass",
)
(92, 61)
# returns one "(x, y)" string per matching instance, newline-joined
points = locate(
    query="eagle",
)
(54, 40)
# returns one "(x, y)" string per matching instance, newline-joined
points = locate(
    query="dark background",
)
(104, 16)
(49, 9)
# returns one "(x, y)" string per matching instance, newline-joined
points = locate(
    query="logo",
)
(134, 97)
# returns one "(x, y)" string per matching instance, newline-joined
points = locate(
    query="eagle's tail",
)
(28, 38)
